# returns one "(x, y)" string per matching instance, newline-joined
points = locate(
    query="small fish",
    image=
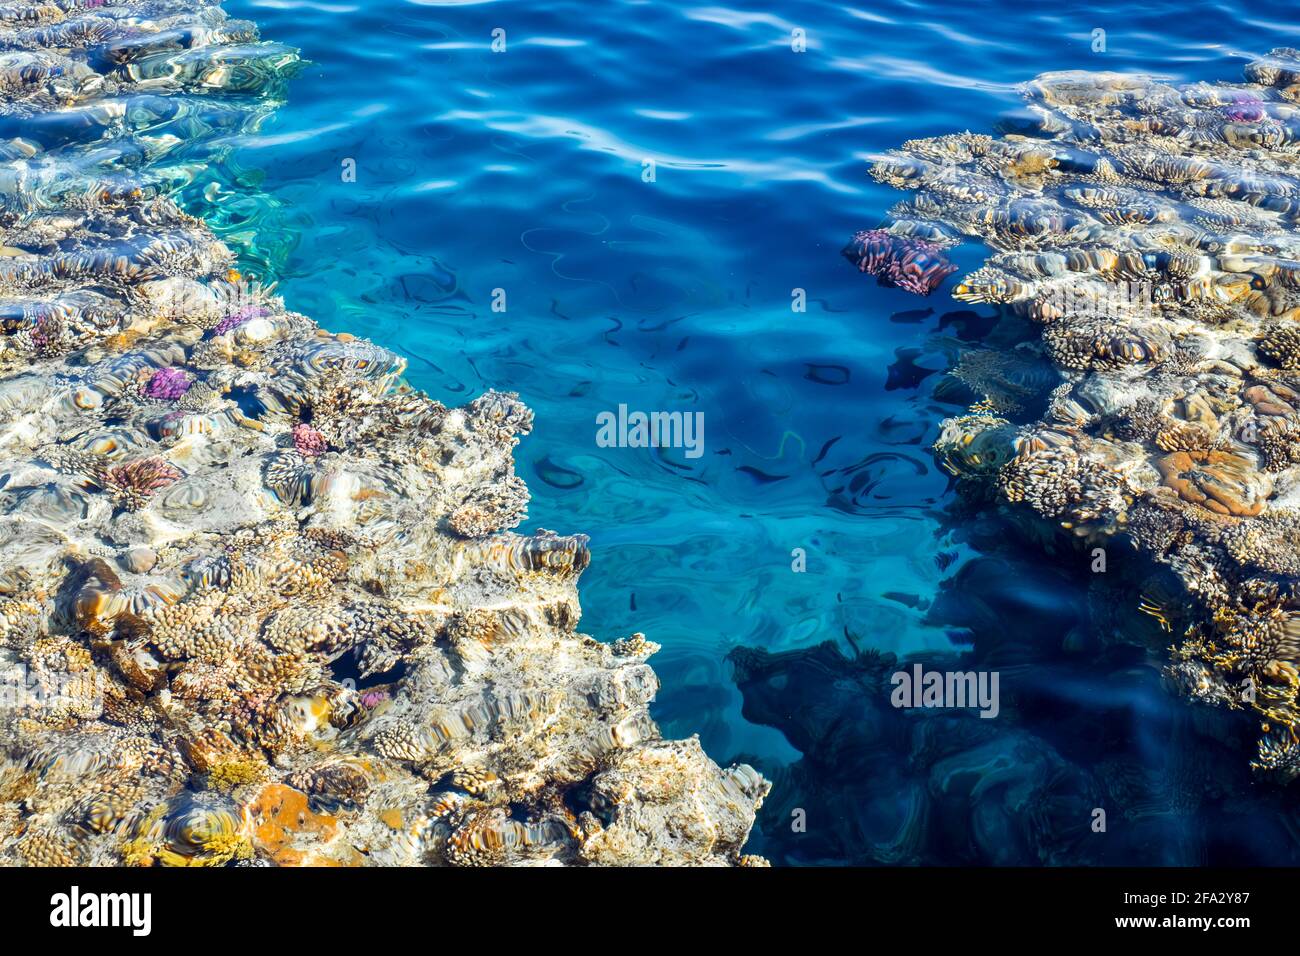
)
(762, 477)
(826, 374)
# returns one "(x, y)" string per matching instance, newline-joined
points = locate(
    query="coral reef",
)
(1145, 235)
(258, 598)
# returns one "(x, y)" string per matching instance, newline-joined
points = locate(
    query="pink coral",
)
(913, 265)
(168, 384)
(308, 440)
(131, 484)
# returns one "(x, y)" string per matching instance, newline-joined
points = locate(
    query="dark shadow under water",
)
(1090, 760)
(1085, 725)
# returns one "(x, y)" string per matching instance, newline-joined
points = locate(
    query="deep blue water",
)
(522, 171)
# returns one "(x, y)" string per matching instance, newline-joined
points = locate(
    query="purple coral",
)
(912, 265)
(168, 384)
(46, 333)
(1246, 112)
(373, 698)
(236, 319)
(1245, 107)
(308, 440)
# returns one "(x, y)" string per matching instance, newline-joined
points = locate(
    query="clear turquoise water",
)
(522, 171)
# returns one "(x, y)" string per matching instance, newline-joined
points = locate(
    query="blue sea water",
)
(524, 171)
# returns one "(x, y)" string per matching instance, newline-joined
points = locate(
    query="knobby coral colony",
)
(257, 602)
(1148, 233)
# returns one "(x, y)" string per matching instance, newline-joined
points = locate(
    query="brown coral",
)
(1224, 483)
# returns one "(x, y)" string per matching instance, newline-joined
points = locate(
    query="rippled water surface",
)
(523, 171)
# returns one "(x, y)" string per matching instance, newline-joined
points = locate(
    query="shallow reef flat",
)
(1144, 235)
(258, 599)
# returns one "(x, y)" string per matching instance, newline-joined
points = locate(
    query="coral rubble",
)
(1147, 234)
(258, 599)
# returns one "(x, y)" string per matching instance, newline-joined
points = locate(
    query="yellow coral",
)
(228, 775)
(137, 852)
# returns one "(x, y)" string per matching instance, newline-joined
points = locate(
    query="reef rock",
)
(258, 599)
(1147, 234)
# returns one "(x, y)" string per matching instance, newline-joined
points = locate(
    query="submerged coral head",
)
(912, 265)
(308, 441)
(168, 384)
(1246, 111)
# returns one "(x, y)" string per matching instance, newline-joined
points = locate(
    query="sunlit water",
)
(525, 171)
